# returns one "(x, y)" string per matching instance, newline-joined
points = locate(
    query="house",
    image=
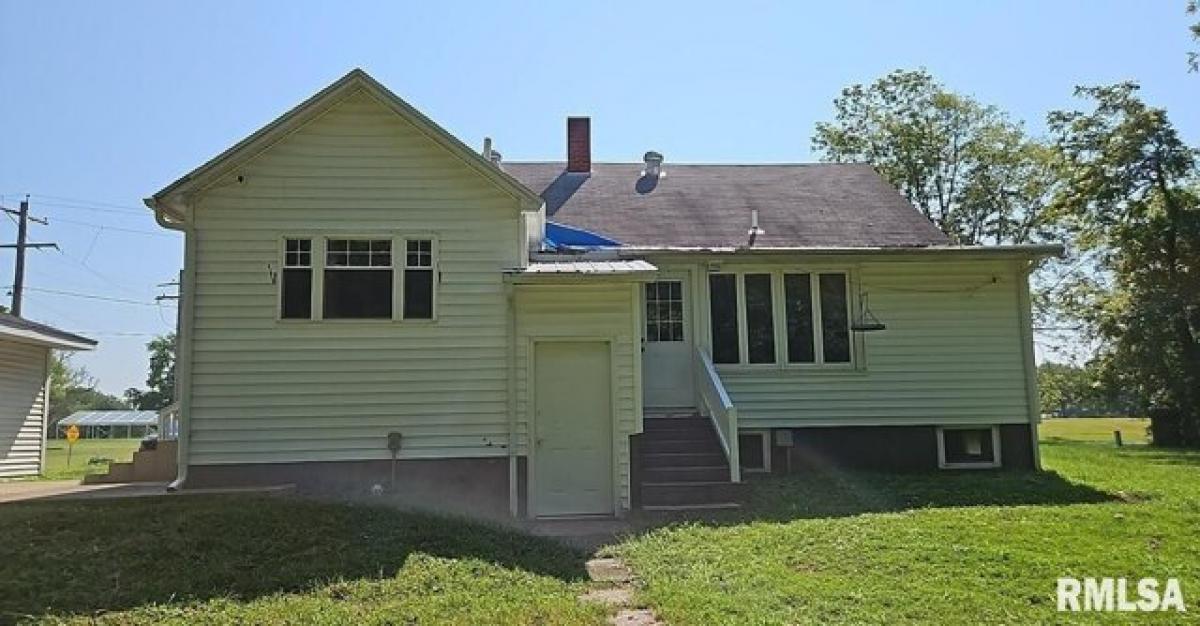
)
(25, 390)
(574, 338)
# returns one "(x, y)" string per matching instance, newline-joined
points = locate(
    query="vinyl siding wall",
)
(596, 311)
(264, 390)
(952, 352)
(22, 408)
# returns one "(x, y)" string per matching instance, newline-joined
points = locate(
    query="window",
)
(812, 320)
(754, 450)
(797, 298)
(296, 291)
(723, 314)
(835, 319)
(804, 336)
(664, 311)
(968, 447)
(760, 328)
(358, 279)
(418, 279)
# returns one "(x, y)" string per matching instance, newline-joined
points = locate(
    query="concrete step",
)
(682, 459)
(685, 474)
(690, 493)
(119, 472)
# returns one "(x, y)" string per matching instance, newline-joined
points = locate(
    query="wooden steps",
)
(683, 466)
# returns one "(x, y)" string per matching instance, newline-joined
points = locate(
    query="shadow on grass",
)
(842, 493)
(84, 556)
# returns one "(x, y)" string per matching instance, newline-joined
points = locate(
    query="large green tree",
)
(971, 169)
(1130, 198)
(161, 377)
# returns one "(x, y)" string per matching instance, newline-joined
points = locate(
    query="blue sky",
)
(104, 103)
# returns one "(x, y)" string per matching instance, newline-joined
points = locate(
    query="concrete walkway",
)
(40, 490)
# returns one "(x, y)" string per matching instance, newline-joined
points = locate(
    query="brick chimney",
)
(579, 144)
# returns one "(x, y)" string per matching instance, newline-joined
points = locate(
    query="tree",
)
(161, 377)
(73, 389)
(1194, 57)
(1131, 197)
(969, 168)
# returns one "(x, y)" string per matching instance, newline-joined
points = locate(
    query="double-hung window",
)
(780, 318)
(418, 279)
(358, 279)
(295, 300)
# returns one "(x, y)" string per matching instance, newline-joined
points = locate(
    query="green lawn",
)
(90, 456)
(964, 547)
(1133, 430)
(950, 548)
(246, 559)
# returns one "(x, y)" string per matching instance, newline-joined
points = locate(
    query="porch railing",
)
(168, 423)
(715, 403)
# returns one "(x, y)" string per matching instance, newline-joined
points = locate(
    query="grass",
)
(246, 559)
(1133, 430)
(834, 547)
(90, 456)
(947, 548)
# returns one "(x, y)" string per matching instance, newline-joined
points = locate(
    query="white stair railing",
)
(715, 403)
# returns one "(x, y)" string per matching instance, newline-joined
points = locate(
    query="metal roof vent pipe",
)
(654, 161)
(490, 153)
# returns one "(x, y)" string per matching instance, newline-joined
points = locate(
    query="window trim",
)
(320, 245)
(779, 318)
(765, 437)
(996, 452)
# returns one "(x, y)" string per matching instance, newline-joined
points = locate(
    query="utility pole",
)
(21, 246)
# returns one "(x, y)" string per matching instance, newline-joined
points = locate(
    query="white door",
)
(573, 438)
(667, 344)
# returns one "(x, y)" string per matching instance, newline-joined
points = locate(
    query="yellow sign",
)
(72, 433)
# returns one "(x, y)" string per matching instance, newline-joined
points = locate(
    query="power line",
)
(92, 296)
(87, 203)
(115, 228)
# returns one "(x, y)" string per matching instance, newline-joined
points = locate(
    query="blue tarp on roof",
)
(563, 236)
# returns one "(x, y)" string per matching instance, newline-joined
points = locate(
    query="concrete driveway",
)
(25, 490)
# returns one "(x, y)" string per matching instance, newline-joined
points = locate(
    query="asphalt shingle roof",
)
(802, 205)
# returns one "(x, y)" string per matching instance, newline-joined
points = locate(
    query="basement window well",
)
(968, 447)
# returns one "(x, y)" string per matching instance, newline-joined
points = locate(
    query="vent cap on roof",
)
(654, 161)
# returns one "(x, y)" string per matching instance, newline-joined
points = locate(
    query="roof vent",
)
(654, 162)
(490, 153)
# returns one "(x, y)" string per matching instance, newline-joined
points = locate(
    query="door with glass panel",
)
(667, 343)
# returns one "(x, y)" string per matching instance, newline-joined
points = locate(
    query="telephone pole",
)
(21, 246)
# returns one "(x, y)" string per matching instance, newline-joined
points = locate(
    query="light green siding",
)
(952, 352)
(265, 390)
(589, 311)
(22, 408)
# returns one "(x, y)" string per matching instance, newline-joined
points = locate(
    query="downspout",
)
(514, 500)
(183, 361)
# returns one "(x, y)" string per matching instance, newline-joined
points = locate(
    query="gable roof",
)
(24, 331)
(799, 205)
(355, 80)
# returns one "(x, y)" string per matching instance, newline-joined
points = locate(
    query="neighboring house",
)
(574, 338)
(25, 389)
